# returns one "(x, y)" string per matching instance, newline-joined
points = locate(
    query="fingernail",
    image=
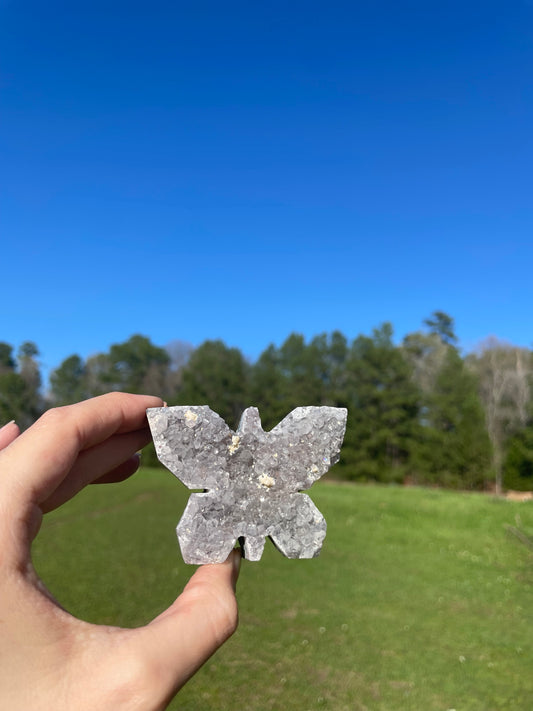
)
(7, 425)
(236, 565)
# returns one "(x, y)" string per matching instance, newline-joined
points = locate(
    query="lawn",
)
(421, 599)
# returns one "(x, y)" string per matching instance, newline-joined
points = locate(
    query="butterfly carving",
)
(250, 480)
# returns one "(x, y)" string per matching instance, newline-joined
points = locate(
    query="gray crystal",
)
(250, 479)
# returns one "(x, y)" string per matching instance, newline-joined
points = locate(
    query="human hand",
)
(8, 433)
(50, 659)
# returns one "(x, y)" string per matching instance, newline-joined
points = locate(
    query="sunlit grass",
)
(420, 600)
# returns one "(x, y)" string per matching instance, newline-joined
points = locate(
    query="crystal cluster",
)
(250, 478)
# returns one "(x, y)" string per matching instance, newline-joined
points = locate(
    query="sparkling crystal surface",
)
(251, 478)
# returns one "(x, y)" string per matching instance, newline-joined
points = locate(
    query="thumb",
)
(203, 617)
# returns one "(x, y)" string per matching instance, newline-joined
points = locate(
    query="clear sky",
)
(242, 170)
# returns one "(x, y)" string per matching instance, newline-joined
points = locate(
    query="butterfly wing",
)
(193, 442)
(308, 443)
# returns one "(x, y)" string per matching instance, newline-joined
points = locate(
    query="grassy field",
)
(421, 599)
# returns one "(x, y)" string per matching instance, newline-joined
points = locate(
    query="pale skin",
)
(50, 659)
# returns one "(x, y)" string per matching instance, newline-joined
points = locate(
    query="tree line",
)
(418, 412)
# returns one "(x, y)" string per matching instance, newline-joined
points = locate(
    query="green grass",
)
(421, 599)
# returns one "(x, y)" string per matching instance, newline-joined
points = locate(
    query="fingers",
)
(183, 637)
(37, 463)
(8, 434)
(122, 472)
(109, 461)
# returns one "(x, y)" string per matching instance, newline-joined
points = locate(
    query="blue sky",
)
(245, 170)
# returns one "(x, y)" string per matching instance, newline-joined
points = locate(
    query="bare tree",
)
(504, 373)
(179, 353)
(426, 353)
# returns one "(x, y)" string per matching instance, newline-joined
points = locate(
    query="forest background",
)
(420, 412)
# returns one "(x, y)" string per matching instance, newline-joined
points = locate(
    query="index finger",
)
(8, 433)
(39, 460)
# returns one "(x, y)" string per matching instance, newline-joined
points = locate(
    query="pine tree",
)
(383, 405)
(216, 376)
(68, 382)
(455, 448)
(20, 385)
